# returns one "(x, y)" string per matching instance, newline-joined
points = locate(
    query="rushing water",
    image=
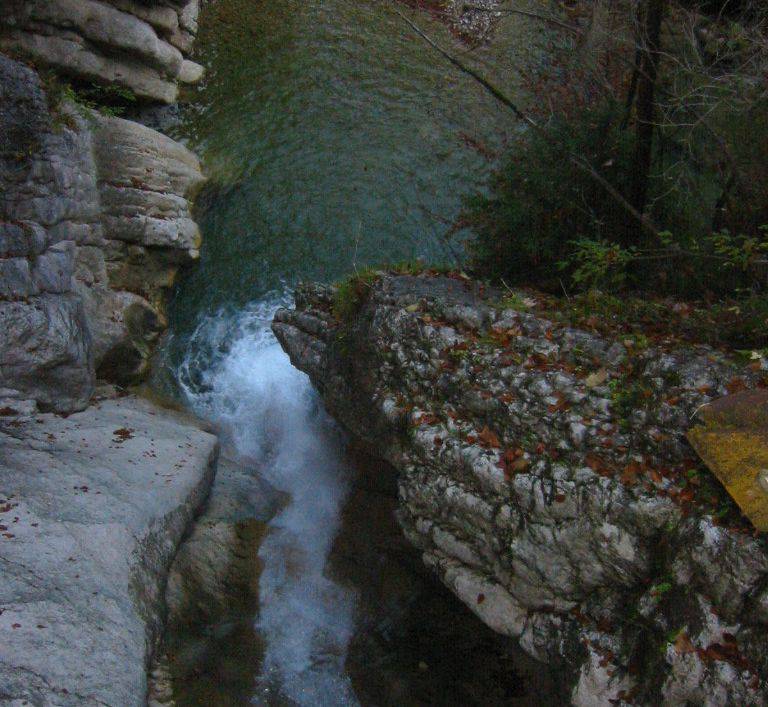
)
(333, 137)
(236, 375)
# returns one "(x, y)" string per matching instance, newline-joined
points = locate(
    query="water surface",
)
(333, 137)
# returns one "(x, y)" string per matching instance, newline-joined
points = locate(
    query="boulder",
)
(733, 441)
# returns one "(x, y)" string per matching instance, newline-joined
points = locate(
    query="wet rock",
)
(212, 595)
(545, 475)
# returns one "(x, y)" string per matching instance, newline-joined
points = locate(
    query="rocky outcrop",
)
(212, 596)
(92, 507)
(140, 46)
(545, 475)
(94, 222)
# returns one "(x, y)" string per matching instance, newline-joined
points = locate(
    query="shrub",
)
(547, 222)
(540, 202)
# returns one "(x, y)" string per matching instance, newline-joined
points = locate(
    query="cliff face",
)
(94, 222)
(545, 475)
(138, 45)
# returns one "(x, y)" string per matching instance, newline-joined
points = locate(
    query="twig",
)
(578, 161)
(533, 15)
(357, 243)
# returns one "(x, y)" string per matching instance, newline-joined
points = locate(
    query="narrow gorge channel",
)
(273, 432)
(332, 139)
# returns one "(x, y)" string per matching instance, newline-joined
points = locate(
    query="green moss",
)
(408, 267)
(629, 394)
(514, 301)
(352, 293)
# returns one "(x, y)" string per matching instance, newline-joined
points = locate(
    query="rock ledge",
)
(92, 508)
(545, 475)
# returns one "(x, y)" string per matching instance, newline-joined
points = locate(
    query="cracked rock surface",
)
(94, 223)
(545, 476)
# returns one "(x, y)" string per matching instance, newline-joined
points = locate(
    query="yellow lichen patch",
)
(733, 442)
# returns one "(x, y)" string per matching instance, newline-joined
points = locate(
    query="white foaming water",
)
(236, 375)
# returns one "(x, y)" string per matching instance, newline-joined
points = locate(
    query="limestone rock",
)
(95, 219)
(212, 592)
(45, 350)
(48, 202)
(594, 548)
(190, 72)
(217, 567)
(140, 46)
(92, 508)
(146, 180)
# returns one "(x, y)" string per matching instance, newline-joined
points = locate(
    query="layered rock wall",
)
(139, 46)
(545, 476)
(94, 222)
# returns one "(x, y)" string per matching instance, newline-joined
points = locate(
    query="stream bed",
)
(334, 138)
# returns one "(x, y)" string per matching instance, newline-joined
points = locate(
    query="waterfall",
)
(235, 375)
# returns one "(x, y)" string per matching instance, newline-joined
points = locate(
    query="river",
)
(333, 138)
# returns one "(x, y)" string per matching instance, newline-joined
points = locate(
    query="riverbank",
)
(545, 476)
(97, 487)
(92, 508)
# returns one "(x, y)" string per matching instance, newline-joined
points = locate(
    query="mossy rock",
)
(733, 442)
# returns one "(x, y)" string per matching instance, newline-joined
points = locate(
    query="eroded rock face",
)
(545, 475)
(212, 596)
(92, 507)
(137, 45)
(48, 204)
(94, 222)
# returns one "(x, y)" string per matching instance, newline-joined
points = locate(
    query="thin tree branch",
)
(534, 15)
(577, 160)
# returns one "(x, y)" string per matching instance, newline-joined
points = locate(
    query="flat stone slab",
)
(733, 441)
(92, 508)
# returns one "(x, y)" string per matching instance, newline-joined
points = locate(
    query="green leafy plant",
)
(110, 100)
(352, 292)
(514, 301)
(599, 264)
(741, 252)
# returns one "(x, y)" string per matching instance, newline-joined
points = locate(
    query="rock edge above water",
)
(561, 509)
(92, 508)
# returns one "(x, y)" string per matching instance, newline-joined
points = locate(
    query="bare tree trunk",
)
(648, 71)
(632, 90)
